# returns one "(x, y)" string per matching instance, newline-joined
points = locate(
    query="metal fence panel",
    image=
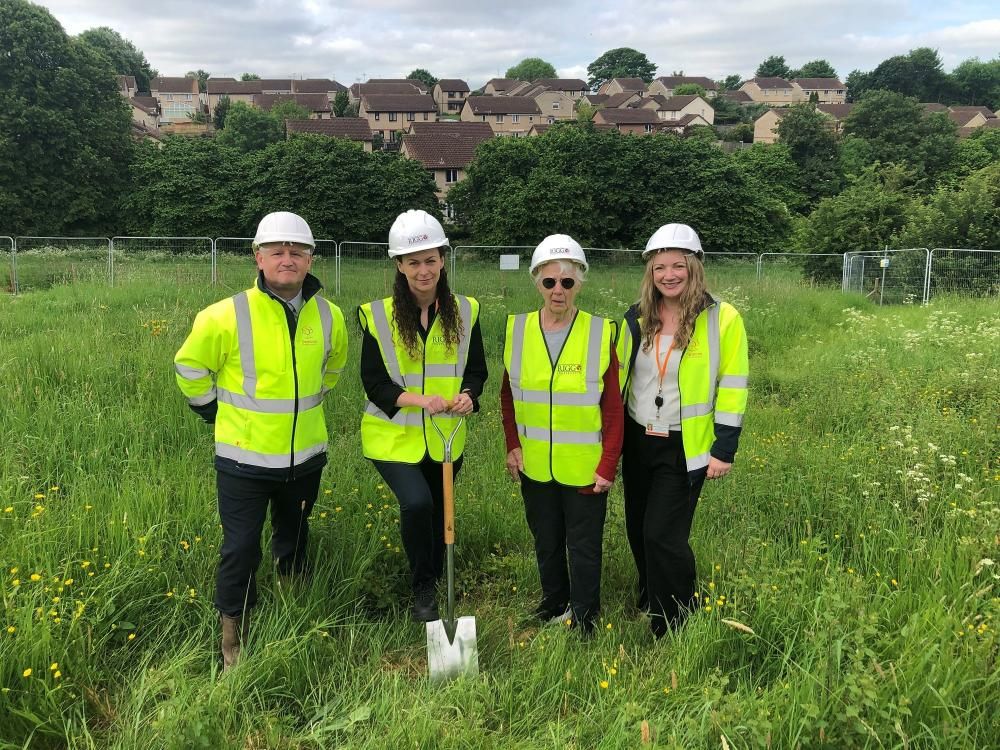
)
(41, 262)
(893, 276)
(235, 268)
(808, 268)
(364, 270)
(964, 271)
(178, 260)
(7, 249)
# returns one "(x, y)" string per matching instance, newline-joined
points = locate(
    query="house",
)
(450, 94)
(317, 104)
(318, 86)
(178, 99)
(774, 91)
(571, 87)
(620, 85)
(544, 127)
(507, 115)
(630, 120)
(740, 97)
(765, 127)
(389, 115)
(520, 89)
(445, 149)
(352, 128)
(235, 91)
(127, 86)
(827, 90)
(970, 117)
(358, 90)
(145, 112)
(683, 125)
(665, 85)
(554, 105)
(677, 107)
(500, 86)
(837, 112)
(419, 85)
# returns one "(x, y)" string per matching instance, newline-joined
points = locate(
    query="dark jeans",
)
(243, 504)
(660, 501)
(564, 521)
(419, 488)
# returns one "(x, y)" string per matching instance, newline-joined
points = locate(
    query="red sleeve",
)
(507, 414)
(612, 421)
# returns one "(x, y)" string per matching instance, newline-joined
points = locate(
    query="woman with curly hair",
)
(683, 355)
(421, 355)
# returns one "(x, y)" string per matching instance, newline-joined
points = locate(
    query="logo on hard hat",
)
(559, 250)
(418, 238)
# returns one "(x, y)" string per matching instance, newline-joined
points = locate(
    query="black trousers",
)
(566, 523)
(660, 502)
(243, 504)
(419, 488)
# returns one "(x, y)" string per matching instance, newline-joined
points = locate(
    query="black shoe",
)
(425, 608)
(549, 614)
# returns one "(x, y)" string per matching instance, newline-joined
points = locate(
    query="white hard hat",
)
(558, 247)
(283, 226)
(674, 237)
(413, 231)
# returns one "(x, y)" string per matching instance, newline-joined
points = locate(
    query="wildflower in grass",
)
(327, 492)
(612, 671)
(185, 545)
(11, 629)
(54, 666)
(85, 564)
(57, 674)
(35, 577)
(895, 583)
(666, 691)
(131, 636)
(337, 509)
(27, 672)
(54, 488)
(608, 626)
(68, 582)
(39, 496)
(604, 684)
(16, 582)
(323, 514)
(9, 509)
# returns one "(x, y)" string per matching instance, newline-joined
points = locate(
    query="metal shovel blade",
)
(451, 658)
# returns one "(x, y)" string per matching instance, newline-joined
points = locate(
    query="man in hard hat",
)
(257, 365)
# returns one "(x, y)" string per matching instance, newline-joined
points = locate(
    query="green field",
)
(855, 538)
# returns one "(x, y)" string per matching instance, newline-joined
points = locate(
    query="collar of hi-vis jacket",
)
(632, 320)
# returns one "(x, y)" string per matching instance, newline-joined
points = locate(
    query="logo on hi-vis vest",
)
(693, 349)
(570, 368)
(307, 335)
(414, 239)
(438, 340)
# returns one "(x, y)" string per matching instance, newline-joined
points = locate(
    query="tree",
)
(623, 62)
(814, 69)
(221, 109)
(858, 83)
(771, 169)
(808, 135)
(976, 152)
(249, 77)
(730, 82)
(773, 67)
(978, 82)
(202, 76)
(424, 77)
(919, 74)
(585, 112)
(289, 109)
(250, 129)
(65, 143)
(340, 103)
(687, 89)
(124, 57)
(531, 69)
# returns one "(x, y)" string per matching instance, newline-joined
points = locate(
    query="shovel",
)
(451, 642)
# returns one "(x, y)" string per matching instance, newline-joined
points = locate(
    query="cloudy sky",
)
(476, 40)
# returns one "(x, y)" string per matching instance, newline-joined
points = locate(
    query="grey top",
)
(646, 384)
(554, 340)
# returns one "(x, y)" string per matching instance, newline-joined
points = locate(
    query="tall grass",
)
(855, 538)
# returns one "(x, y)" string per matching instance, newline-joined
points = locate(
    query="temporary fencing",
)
(181, 260)
(893, 276)
(40, 262)
(7, 249)
(812, 268)
(963, 271)
(234, 267)
(364, 269)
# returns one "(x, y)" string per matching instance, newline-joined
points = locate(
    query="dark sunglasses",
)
(549, 283)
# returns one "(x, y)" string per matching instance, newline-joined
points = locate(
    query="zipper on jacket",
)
(552, 378)
(292, 325)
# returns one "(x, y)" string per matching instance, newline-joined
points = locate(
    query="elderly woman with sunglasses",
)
(563, 421)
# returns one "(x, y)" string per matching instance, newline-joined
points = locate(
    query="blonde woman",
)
(683, 356)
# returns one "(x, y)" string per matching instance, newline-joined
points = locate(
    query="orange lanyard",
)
(662, 368)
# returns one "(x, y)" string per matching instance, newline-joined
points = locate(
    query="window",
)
(376, 115)
(426, 115)
(452, 94)
(499, 118)
(168, 97)
(450, 176)
(515, 118)
(392, 116)
(551, 119)
(555, 105)
(484, 118)
(410, 117)
(187, 97)
(448, 210)
(649, 128)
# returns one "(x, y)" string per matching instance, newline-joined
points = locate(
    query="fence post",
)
(215, 265)
(336, 268)
(13, 263)
(927, 277)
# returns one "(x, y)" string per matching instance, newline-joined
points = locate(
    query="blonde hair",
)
(690, 302)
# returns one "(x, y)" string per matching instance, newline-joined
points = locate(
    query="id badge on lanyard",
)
(656, 428)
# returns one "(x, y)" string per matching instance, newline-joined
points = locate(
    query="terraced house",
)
(450, 94)
(446, 150)
(507, 115)
(388, 115)
(178, 98)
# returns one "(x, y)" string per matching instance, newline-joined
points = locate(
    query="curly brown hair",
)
(690, 303)
(406, 313)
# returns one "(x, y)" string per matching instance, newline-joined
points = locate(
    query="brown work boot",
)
(234, 633)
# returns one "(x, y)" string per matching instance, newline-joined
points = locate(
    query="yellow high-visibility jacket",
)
(557, 405)
(268, 372)
(434, 370)
(712, 379)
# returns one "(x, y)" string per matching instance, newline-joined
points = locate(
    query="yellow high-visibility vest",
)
(712, 377)
(557, 405)
(435, 369)
(269, 389)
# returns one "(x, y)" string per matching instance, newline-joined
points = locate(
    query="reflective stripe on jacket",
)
(557, 405)
(269, 389)
(712, 380)
(435, 369)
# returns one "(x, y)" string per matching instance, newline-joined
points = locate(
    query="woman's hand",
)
(717, 469)
(435, 404)
(601, 484)
(515, 463)
(462, 404)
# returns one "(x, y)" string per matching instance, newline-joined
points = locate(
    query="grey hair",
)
(568, 268)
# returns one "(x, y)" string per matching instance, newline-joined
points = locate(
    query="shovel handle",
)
(448, 481)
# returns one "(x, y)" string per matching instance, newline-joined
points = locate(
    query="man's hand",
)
(462, 404)
(515, 463)
(601, 484)
(717, 469)
(435, 404)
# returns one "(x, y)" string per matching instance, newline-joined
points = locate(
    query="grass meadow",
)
(849, 592)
